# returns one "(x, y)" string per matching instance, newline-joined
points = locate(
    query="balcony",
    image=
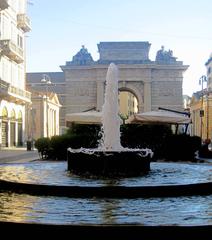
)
(23, 22)
(14, 94)
(3, 88)
(12, 51)
(4, 4)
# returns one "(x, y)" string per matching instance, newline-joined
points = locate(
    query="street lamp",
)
(46, 80)
(202, 79)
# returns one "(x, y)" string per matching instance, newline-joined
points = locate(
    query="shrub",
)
(159, 138)
(43, 147)
(181, 147)
(146, 136)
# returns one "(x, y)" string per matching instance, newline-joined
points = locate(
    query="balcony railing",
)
(3, 87)
(23, 22)
(14, 94)
(19, 93)
(4, 4)
(12, 51)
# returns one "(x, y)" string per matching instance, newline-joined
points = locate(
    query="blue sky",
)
(60, 28)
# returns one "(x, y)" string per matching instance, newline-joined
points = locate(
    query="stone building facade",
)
(81, 84)
(14, 99)
(155, 83)
(57, 86)
(43, 116)
(201, 105)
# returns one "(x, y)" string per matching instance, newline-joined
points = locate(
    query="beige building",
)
(14, 98)
(155, 83)
(43, 117)
(201, 105)
(128, 104)
(57, 86)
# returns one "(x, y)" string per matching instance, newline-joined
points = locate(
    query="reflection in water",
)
(55, 173)
(196, 210)
(109, 207)
(15, 209)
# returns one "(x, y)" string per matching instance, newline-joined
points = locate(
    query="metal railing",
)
(6, 88)
(23, 22)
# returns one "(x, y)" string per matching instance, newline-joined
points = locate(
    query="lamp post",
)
(46, 80)
(202, 79)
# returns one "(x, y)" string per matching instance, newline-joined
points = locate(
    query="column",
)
(147, 97)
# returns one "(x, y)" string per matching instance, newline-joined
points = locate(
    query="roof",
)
(159, 117)
(91, 117)
(35, 77)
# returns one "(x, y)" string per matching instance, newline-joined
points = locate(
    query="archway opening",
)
(128, 103)
(20, 128)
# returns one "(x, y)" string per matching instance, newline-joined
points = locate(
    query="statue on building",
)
(164, 56)
(83, 57)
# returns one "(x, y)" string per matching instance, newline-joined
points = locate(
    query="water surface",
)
(192, 210)
(55, 173)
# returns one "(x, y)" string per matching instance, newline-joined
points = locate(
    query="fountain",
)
(173, 201)
(110, 159)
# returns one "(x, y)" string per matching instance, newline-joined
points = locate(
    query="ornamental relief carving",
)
(81, 91)
(166, 92)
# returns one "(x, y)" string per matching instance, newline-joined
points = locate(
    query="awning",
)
(159, 117)
(90, 117)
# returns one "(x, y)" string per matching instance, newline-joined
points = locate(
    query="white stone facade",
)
(44, 115)
(35, 84)
(14, 98)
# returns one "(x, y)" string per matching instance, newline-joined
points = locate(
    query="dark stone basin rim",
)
(107, 191)
(103, 231)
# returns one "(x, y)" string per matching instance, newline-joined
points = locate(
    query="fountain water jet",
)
(110, 112)
(110, 158)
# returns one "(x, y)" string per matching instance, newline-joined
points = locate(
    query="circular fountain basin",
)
(125, 163)
(26, 205)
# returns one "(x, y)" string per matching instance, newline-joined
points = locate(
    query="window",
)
(20, 41)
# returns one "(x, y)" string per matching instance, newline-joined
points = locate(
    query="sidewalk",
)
(17, 155)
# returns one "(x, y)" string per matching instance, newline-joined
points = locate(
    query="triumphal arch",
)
(155, 83)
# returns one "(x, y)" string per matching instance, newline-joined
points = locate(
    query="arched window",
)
(4, 113)
(12, 115)
(20, 117)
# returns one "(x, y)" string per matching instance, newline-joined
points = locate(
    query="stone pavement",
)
(17, 155)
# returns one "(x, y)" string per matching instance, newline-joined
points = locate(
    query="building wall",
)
(81, 85)
(202, 126)
(202, 101)
(154, 83)
(14, 23)
(57, 86)
(44, 115)
(167, 88)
